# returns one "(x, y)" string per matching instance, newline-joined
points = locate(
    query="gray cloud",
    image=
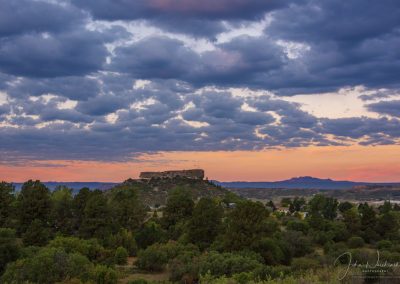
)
(386, 107)
(37, 55)
(199, 18)
(188, 103)
(25, 16)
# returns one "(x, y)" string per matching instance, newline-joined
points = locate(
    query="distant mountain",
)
(306, 182)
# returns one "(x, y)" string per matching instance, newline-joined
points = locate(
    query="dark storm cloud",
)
(239, 62)
(200, 18)
(386, 107)
(347, 22)
(54, 51)
(350, 43)
(358, 127)
(40, 55)
(207, 9)
(72, 87)
(101, 105)
(24, 16)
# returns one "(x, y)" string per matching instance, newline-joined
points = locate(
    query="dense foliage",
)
(91, 237)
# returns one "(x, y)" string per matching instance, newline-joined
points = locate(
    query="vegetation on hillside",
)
(196, 237)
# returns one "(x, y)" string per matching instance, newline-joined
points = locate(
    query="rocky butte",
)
(191, 174)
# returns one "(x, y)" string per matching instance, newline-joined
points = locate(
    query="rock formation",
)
(192, 174)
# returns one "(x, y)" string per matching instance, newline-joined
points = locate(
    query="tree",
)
(323, 206)
(33, 203)
(299, 245)
(219, 264)
(388, 225)
(96, 217)
(246, 224)
(61, 211)
(152, 258)
(125, 239)
(271, 205)
(149, 234)
(179, 207)
(368, 222)
(128, 211)
(205, 223)
(78, 206)
(385, 208)
(297, 204)
(352, 221)
(6, 200)
(368, 216)
(105, 275)
(344, 206)
(121, 256)
(37, 234)
(271, 251)
(49, 265)
(9, 249)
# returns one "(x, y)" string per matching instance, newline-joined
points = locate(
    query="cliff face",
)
(192, 174)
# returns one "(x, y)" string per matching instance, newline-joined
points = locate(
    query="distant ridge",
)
(305, 182)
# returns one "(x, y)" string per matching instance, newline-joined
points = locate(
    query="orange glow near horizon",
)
(356, 163)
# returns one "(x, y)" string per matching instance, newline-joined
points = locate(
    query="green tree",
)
(97, 217)
(271, 205)
(245, 225)
(121, 256)
(6, 200)
(149, 234)
(152, 258)
(78, 206)
(125, 239)
(61, 211)
(299, 245)
(105, 275)
(89, 248)
(33, 203)
(388, 226)
(205, 223)
(38, 233)
(49, 265)
(177, 211)
(352, 221)
(219, 264)
(386, 207)
(271, 251)
(344, 206)
(323, 206)
(297, 204)
(9, 249)
(368, 222)
(128, 211)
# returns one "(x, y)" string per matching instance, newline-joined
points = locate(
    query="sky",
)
(255, 90)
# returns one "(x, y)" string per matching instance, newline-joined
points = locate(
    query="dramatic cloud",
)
(240, 62)
(108, 80)
(201, 18)
(24, 16)
(386, 107)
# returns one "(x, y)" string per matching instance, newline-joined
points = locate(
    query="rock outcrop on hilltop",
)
(191, 174)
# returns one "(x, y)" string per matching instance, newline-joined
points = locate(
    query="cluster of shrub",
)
(49, 237)
(55, 237)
